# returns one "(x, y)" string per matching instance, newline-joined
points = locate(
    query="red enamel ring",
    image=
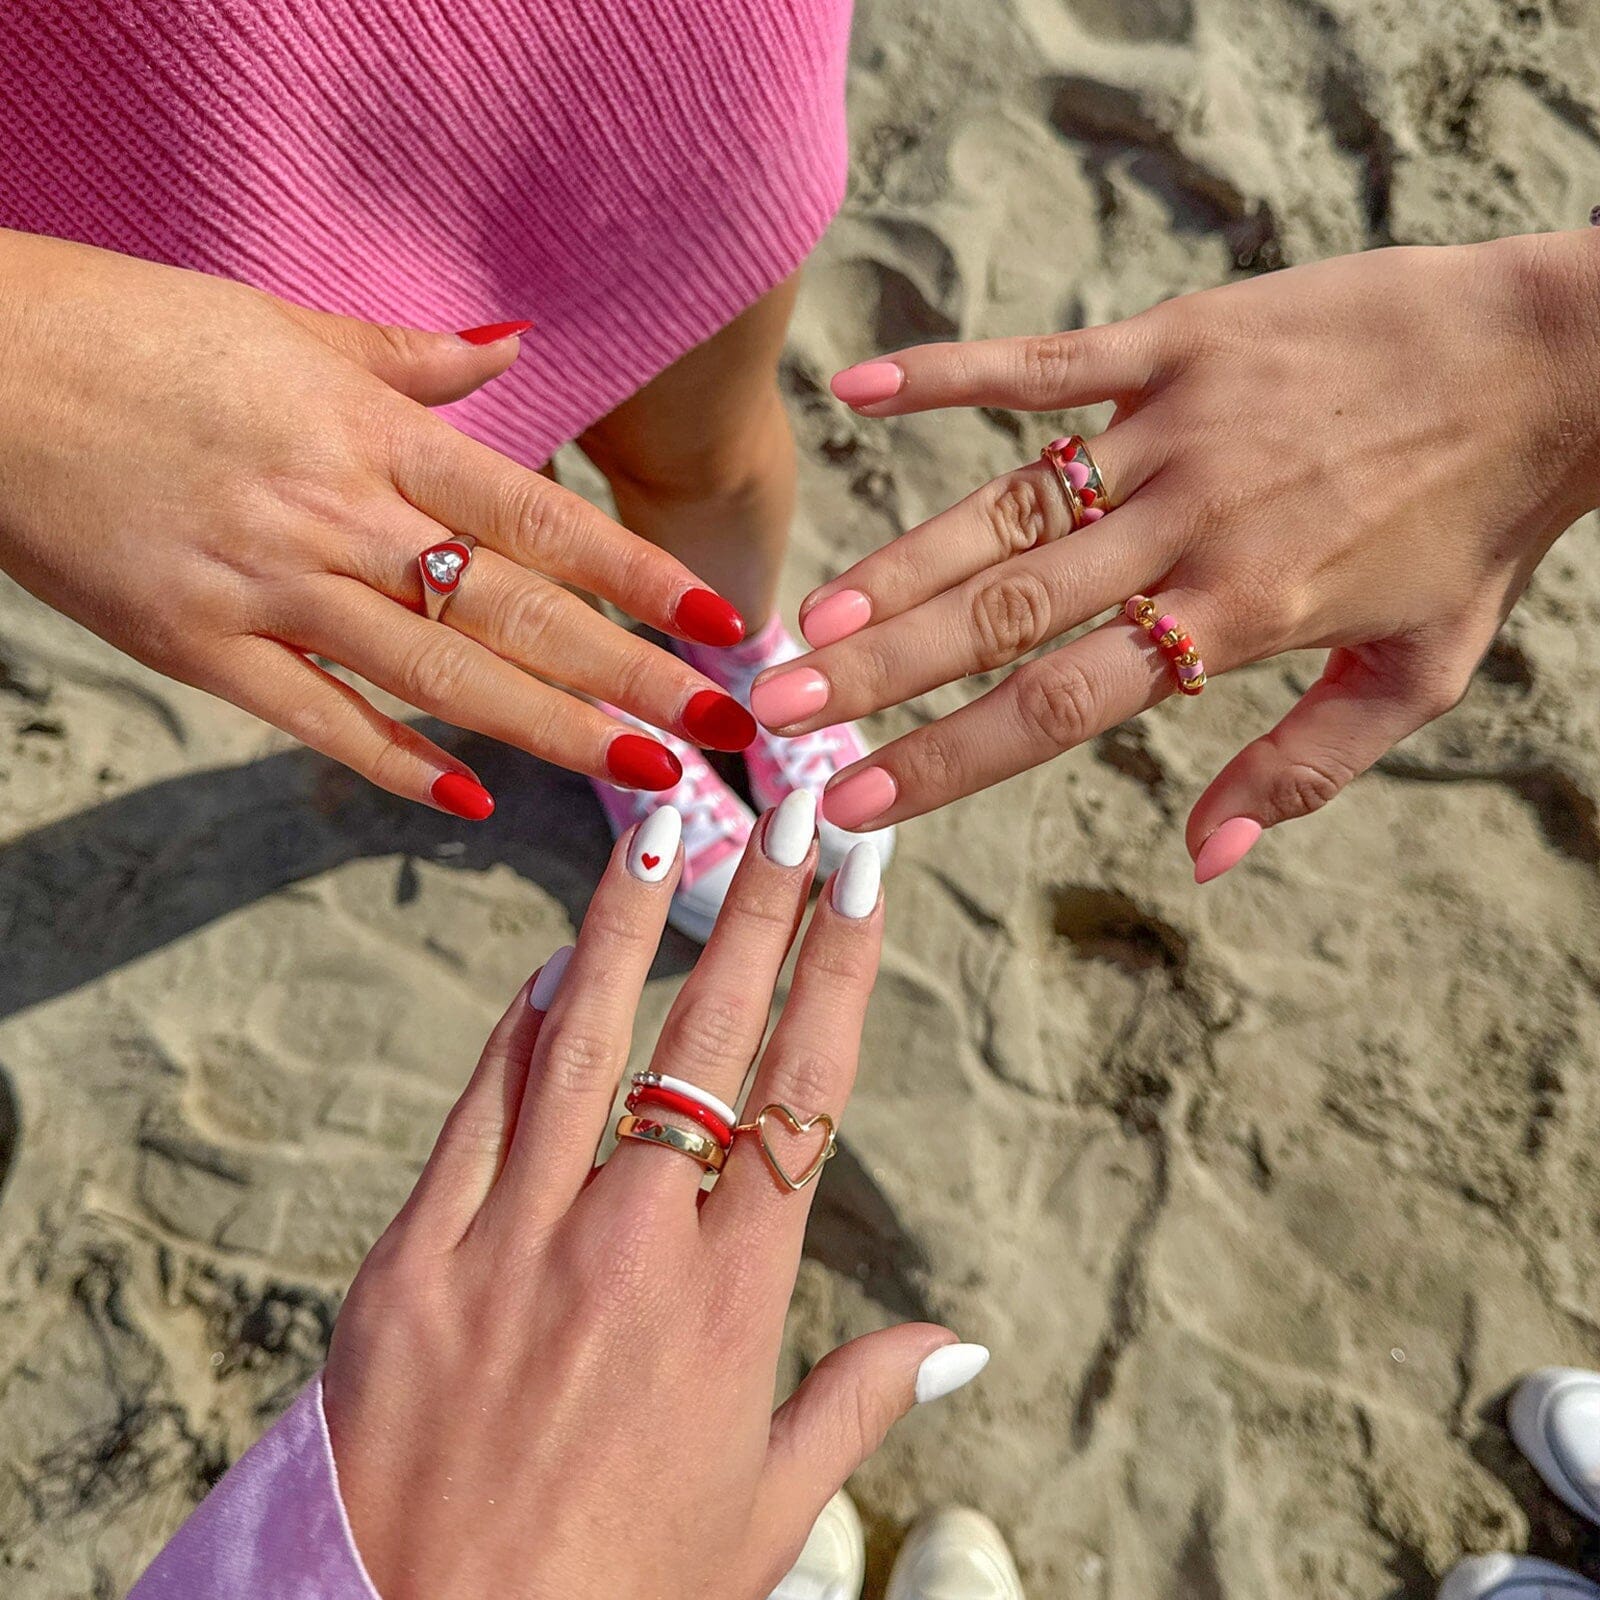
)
(443, 566)
(671, 1100)
(703, 1097)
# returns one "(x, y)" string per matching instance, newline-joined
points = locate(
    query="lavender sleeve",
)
(273, 1529)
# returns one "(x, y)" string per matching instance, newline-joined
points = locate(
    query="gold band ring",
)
(699, 1147)
(799, 1126)
(1080, 479)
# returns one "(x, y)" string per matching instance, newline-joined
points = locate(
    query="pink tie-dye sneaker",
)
(716, 827)
(779, 766)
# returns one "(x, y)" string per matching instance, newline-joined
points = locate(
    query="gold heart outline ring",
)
(800, 1127)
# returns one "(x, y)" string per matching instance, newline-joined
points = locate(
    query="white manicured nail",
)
(549, 979)
(655, 845)
(790, 829)
(948, 1369)
(855, 885)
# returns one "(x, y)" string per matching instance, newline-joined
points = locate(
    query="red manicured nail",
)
(641, 763)
(493, 332)
(718, 721)
(462, 796)
(708, 619)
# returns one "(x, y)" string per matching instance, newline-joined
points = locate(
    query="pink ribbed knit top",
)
(628, 173)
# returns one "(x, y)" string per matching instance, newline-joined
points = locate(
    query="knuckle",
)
(434, 675)
(927, 764)
(807, 1079)
(527, 611)
(1018, 515)
(1056, 703)
(1047, 360)
(1010, 616)
(1305, 786)
(538, 517)
(708, 1030)
(577, 1058)
(399, 344)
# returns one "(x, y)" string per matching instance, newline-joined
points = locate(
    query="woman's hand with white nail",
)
(233, 489)
(1369, 456)
(550, 1378)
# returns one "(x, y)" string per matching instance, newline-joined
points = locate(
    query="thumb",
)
(1363, 705)
(843, 1411)
(434, 368)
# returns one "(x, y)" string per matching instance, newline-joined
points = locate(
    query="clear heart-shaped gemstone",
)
(444, 567)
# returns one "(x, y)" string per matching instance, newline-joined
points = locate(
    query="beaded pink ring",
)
(1171, 640)
(1080, 479)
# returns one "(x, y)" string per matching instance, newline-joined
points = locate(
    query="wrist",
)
(1551, 286)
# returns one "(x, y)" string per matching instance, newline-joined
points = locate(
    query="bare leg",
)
(702, 462)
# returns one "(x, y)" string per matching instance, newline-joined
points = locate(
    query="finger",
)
(1357, 711)
(720, 1016)
(1046, 372)
(471, 1148)
(1019, 511)
(436, 669)
(546, 629)
(282, 687)
(842, 1413)
(472, 489)
(989, 621)
(809, 1066)
(434, 368)
(586, 1033)
(1043, 708)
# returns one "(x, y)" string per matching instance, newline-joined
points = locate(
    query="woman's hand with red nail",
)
(1368, 456)
(236, 490)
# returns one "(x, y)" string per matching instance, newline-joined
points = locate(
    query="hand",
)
(551, 1380)
(1370, 455)
(225, 485)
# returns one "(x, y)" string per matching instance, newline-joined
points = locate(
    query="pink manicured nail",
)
(790, 697)
(859, 798)
(869, 383)
(1225, 848)
(836, 618)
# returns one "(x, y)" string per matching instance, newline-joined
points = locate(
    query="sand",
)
(1262, 1196)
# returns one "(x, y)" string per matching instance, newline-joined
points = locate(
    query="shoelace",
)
(811, 760)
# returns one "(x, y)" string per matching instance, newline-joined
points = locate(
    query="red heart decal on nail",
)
(650, 862)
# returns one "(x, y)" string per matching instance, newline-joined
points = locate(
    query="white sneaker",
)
(954, 1554)
(833, 1565)
(716, 827)
(1555, 1419)
(1503, 1577)
(779, 766)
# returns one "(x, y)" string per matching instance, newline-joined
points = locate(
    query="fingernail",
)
(707, 618)
(949, 1368)
(787, 837)
(462, 796)
(549, 979)
(790, 697)
(836, 618)
(718, 721)
(869, 383)
(855, 884)
(641, 763)
(494, 332)
(861, 797)
(655, 845)
(1226, 848)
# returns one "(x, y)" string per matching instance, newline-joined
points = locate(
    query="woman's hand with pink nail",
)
(551, 1378)
(1368, 456)
(234, 489)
